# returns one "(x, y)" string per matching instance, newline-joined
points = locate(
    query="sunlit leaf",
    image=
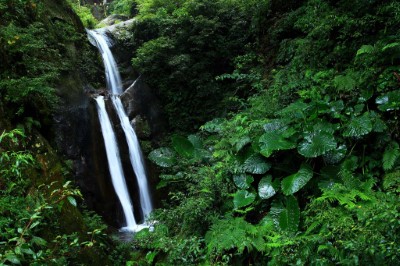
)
(255, 164)
(243, 198)
(274, 141)
(164, 157)
(265, 188)
(316, 143)
(72, 200)
(336, 155)
(358, 126)
(389, 101)
(243, 181)
(293, 183)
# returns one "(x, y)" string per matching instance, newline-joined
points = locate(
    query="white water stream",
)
(101, 41)
(114, 163)
(136, 157)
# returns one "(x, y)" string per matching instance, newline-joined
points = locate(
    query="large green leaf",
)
(265, 188)
(196, 141)
(242, 142)
(295, 182)
(389, 101)
(164, 157)
(255, 164)
(243, 181)
(358, 126)
(183, 146)
(274, 141)
(316, 143)
(243, 198)
(276, 209)
(289, 218)
(336, 155)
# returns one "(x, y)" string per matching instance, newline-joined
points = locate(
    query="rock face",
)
(142, 105)
(113, 19)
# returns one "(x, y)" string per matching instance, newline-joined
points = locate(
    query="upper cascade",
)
(100, 39)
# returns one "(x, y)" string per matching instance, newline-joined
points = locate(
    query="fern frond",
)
(366, 49)
(390, 156)
(344, 83)
(391, 181)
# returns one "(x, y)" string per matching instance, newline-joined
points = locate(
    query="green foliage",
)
(184, 47)
(302, 167)
(84, 13)
(234, 236)
(390, 156)
(35, 51)
(163, 157)
(29, 227)
(123, 7)
(265, 188)
(295, 182)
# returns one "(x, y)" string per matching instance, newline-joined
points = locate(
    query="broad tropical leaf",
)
(289, 218)
(196, 141)
(242, 142)
(183, 146)
(295, 182)
(276, 125)
(336, 155)
(255, 164)
(243, 181)
(358, 126)
(294, 110)
(164, 157)
(274, 141)
(316, 143)
(243, 198)
(265, 188)
(276, 209)
(389, 101)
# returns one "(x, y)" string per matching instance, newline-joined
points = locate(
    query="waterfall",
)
(114, 85)
(136, 158)
(103, 43)
(114, 162)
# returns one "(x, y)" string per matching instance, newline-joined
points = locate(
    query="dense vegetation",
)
(39, 220)
(284, 133)
(302, 165)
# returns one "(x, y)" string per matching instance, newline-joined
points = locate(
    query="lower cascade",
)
(101, 41)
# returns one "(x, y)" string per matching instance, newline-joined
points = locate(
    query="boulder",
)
(142, 105)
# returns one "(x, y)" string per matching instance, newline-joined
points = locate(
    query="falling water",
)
(114, 162)
(101, 41)
(135, 155)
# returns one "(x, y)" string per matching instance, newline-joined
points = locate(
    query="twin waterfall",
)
(114, 85)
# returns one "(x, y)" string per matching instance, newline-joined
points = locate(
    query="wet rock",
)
(113, 19)
(140, 100)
